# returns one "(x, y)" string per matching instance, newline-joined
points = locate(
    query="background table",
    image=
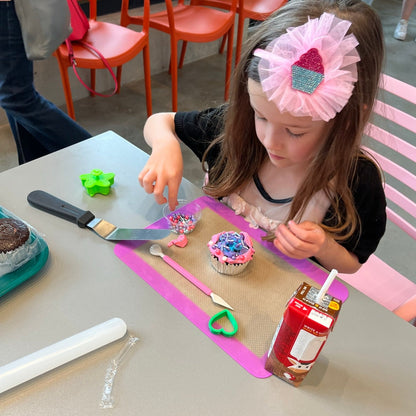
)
(367, 365)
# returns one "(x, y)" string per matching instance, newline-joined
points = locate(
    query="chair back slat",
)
(392, 168)
(393, 142)
(401, 200)
(404, 203)
(402, 223)
(397, 116)
(399, 88)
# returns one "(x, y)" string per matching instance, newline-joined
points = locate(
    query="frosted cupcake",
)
(230, 251)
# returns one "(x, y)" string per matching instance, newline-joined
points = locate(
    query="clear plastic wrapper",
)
(107, 399)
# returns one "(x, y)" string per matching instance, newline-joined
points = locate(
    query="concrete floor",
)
(201, 84)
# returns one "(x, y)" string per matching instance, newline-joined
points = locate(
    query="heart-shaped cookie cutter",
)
(221, 331)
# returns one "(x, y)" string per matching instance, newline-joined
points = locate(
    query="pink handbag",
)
(79, 21)
(80, 27)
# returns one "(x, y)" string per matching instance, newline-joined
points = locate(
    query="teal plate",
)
(13, 279)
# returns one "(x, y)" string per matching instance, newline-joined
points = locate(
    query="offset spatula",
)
(55, 206)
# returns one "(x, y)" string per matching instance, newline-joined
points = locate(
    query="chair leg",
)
(174, 71)
(183, 51)
(63, 69)
(240, 33)
(147, 80)
(119, 68)
(222, 46)
(229, 63)
(92, 81)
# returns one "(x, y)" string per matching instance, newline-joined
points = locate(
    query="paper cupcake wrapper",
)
(227, 268)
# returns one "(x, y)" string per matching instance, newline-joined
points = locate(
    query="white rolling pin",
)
(53, 356)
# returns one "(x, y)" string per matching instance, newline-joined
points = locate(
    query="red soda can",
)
(301, 334)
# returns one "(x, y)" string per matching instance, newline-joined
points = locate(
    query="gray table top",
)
(366, 366)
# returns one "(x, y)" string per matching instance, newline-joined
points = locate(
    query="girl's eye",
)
(259, 117)
(296, 135)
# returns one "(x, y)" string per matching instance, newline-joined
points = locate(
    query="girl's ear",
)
(366, 111)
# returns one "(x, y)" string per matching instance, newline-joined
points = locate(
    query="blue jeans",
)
(38, 126)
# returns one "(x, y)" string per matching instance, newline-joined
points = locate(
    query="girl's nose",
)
(273, 137)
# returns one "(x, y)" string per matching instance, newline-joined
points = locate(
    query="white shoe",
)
(401, 30)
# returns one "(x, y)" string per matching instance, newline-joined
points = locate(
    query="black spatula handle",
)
(55, 206)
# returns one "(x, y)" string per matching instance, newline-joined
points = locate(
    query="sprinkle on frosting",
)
(231, 247)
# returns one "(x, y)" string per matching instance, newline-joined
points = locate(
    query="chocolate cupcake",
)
(230, 251)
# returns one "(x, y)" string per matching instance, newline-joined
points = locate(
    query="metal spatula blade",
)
(55, 206)
(110, 232)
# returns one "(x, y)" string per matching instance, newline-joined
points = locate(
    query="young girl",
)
(285, 151)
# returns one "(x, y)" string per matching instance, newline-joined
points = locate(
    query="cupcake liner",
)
(14, 259)
(227, 268)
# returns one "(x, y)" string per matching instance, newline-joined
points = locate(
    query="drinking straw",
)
(325, 286)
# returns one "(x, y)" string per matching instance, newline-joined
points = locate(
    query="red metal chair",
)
(116, 43)
(246, 9)
(190, 23)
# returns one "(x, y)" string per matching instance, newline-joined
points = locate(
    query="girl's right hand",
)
(165, 165)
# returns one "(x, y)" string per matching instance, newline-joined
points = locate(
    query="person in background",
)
(38, 126)
(401, 28)
(285, 151)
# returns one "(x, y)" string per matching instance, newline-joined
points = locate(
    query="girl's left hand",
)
(300, 241)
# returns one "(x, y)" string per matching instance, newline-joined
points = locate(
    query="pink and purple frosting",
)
(231, 247)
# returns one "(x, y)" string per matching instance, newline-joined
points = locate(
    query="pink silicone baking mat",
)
(258, 294)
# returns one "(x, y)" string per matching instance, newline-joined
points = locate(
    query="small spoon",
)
(156, 250)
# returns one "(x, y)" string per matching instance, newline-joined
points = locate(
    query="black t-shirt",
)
(198, 129)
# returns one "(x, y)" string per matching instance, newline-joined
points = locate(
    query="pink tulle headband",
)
(311, 69)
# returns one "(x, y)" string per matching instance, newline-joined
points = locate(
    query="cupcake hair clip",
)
(311, 69)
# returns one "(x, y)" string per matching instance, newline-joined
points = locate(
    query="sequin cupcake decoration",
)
(308, 72)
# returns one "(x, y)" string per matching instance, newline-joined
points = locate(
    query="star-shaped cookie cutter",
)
(97, 182)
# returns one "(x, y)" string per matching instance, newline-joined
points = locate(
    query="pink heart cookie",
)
(180, 241)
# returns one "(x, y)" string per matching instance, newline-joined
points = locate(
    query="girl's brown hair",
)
(333, 168)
